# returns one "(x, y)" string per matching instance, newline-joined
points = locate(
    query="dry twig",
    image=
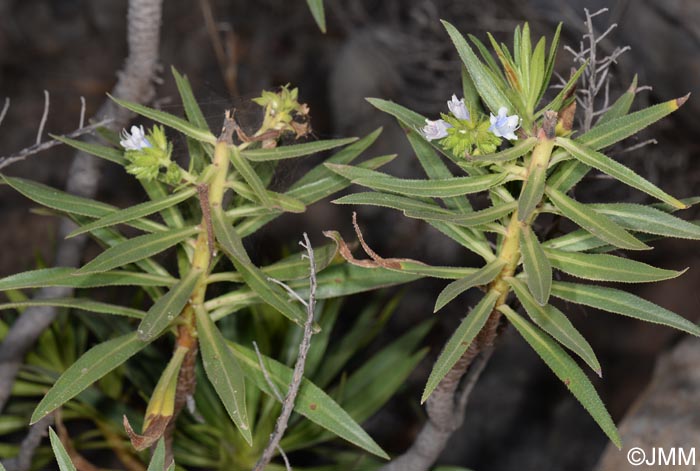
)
(290, 398)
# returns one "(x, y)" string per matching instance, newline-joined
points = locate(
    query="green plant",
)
(202, 230)
(526, 179)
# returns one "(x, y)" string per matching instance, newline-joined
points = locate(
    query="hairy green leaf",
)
(62, 458)
(296, 150)
(649, 220)
(621, 302)
(595, 223)
(511, 153)
(475, 218)
(555, 323)
(224, 371)
(93, 365)
(602, 267)
(316, 7)
(483, 276)
(536, 265)
(460, 341)
(83, 304)
(567, 371)
(68, 276)
(104, 152)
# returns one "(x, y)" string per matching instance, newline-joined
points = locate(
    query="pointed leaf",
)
(168, 306)
(536, 265)
(172, 121)
(575, 241)
(567, 371)
(602, 267)
(272, 294)
(460, 341)
(316, 7)
(621, 106)
(189, 101)
(83, 304)
(620, 128)
(483, 276)
(158, 459)
(67, 276)
(555, 323)
(455, 186)
(621, 302)
(249, 175)
(93, 365)
(477, 218)
(595, 223)
(136, 248)
(62, 458)
(311, 401)
(104, 152)
(135, 212)
(408, 117)
(224, 371)
(613, 168)
(492, 95)
(532, 192)
(296, 150)
(388, 200)
(649, 220)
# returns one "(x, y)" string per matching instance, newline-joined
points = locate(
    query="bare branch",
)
(266, 375)
(290, 398)
(82, 112)
(36, 148)
(5, 107)
(44, 116)
(289, 290)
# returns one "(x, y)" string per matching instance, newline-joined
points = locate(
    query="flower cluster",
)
(149, 156)
(283, 112)
(465, 133)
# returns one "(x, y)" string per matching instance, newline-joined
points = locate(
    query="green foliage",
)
(528, 175)
(199, 219)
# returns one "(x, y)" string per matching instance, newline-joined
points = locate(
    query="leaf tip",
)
(681, 101)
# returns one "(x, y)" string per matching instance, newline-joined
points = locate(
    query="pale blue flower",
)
(458, 108)
(504, 125)
(136, 140)
(435, 129)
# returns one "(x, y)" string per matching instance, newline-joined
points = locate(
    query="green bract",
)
(522, 179)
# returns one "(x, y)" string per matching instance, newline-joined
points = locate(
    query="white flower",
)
(504, 125)
(435, 129)
(134, 141)
(458, 108)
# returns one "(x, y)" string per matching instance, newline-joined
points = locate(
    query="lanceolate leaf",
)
(272, 294)
(492, 95)
(135, 212)
(93, 365)
(316, 7)
(62, 458)
(614, 169)
(388, 200)
(136, 248)
(532, 192)
(621, 302)
(311, 401)
(475, 218)
(621, 106)
(537, 267)
(567, 371)
(67, 276)
(224, 371)
(83, 304)
(620, 128)
(169, 120)
(410, 118)
(595, 223)
(168, 306)
(602, 267)
(555, 323)
(575, 241)
(649, 220)
(192, 109)
(460, 341)
(484, 275)
(296, 150)
(455, 186)
(250, 176)
(104, 152)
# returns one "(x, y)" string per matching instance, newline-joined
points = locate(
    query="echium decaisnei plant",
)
(198, 216)
(526, 156)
